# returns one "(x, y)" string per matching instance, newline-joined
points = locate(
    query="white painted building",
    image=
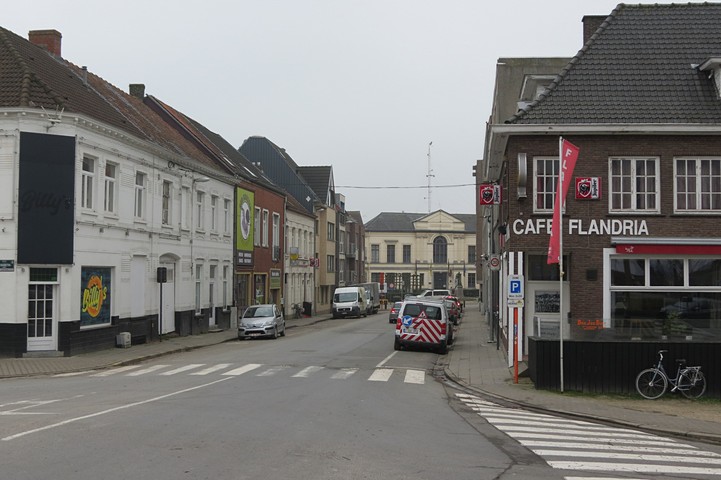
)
(300, 251)
(95, 195)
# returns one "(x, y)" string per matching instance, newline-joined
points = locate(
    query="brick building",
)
(641, 248)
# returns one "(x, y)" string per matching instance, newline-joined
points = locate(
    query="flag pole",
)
(559, 199)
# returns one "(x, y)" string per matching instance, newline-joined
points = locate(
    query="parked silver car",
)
(261, 321)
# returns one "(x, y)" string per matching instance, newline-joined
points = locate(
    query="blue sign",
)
(515, 286)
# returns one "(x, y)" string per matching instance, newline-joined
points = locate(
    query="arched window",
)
(440, 250)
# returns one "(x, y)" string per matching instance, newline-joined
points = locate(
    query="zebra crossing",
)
(580, 446)
(410, 376)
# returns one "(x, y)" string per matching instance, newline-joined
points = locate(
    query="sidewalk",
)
(473, 362)
(476, 364)
(22, 367)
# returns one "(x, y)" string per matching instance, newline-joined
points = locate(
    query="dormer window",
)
(712, 65)
(533, 87)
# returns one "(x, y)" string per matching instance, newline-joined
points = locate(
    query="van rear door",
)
(422, 323)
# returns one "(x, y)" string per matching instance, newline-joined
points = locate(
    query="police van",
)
(423, 322)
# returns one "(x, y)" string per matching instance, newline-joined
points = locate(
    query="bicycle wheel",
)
(697, 388)
(651, 383)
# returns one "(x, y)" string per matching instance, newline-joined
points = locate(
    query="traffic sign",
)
(515, 286)
(494, 262)
(515, 302)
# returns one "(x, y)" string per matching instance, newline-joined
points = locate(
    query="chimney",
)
(591, 24)
(50, 40)
(137, 90)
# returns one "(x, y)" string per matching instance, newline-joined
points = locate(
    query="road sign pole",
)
(515, 345)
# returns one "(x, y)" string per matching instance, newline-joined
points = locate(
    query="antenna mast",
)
(429, 175)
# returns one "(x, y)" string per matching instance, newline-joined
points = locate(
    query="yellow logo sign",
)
(94, 295)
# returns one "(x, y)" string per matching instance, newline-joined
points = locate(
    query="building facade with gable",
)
(98, 214)
(410, 252)
(641, 250)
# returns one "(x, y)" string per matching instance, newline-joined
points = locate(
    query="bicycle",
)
(297, 311)
(653, 382)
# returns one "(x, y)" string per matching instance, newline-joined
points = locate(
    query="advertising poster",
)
(245, 208)
(95, 296)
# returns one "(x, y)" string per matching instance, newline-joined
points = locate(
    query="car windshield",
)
(414, 310)
(260, 311)
(345, 297)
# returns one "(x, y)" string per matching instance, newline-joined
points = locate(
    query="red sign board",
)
(490, 194)
(588, 188)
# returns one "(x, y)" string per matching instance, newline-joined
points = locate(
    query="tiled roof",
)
(403, 221)
(30, 77)
(319, 178)
(214, 144)
(639, 67)
(278, 165)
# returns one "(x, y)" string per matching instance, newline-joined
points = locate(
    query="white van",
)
(438, 292)
(350, 302)
(423, 322)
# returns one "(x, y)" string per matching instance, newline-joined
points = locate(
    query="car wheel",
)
(282, 333)
(443, 349)
(275, 332)
(396, 344)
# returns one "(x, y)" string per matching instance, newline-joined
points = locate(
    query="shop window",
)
(540, 271)
(665, 272)
(628, 271)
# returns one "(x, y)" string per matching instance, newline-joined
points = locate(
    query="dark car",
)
(393, 315)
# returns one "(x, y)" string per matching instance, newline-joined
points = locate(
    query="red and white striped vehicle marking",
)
(429, 331)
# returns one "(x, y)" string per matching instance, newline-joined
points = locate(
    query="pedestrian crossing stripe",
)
(585, 446)
(410, 376)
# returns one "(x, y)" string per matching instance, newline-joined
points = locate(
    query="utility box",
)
(122, 340)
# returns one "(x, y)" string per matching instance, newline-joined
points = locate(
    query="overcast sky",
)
(364, 86)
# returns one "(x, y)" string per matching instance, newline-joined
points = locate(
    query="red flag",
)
(568, 155)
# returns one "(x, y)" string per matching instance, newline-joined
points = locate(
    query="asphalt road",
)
(331, 401)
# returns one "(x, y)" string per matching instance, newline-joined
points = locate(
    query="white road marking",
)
(601, 478)
(272, 371)
(307, 371)
(344, 373)
(109, 410)
(641, 457)
(559, 423)
(72, 374)
(620, 449)
(184, 368)
(415, 376)
(688, 449)
(635, 468)
(385, 360)
(381, 375)
(660, 442)
(513, 430)
(244, 369)
(214, 368)
(113, 371)
(146, 370)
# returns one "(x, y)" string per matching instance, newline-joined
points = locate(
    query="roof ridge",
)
(565, 70)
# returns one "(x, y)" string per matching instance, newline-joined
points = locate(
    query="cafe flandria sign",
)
(576, 226)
